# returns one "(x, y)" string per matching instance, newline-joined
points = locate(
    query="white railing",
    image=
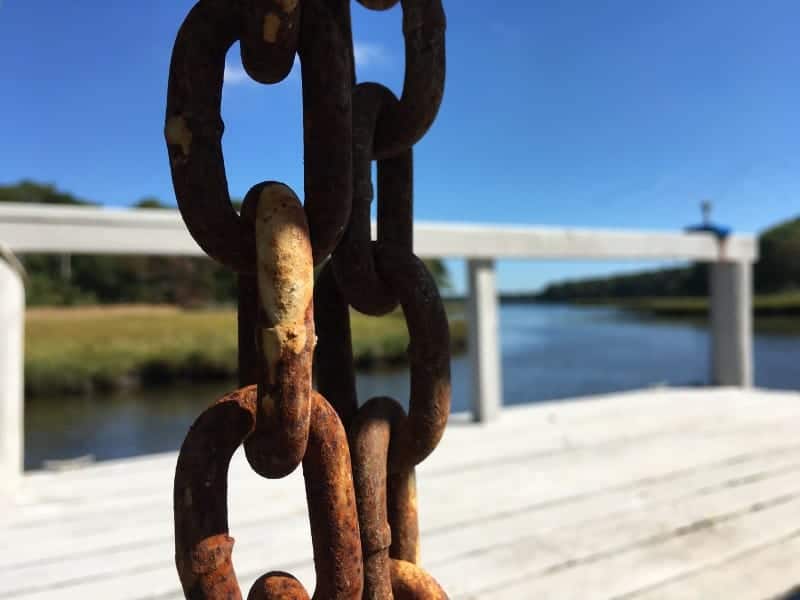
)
(26, 228)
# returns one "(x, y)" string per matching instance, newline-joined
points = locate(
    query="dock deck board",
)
(661, 493)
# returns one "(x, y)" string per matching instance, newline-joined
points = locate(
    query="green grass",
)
(79, 350)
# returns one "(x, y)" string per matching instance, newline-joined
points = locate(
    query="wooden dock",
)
(657, 494)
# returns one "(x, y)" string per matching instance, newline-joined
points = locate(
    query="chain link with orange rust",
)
(358, 463)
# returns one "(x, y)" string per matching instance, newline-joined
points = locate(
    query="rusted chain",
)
(386, 507)
(409, 582)
(386, 500)
(194, 130)
(353, 260)
(334, 522)
(273, 246)
(378, 4)
(194, 125)
(203, 546)
(385, 443)
(269, 38)
(402, 124)
(285, 337)
(403, 516)
(326, 56)
(370, 434)
(333, 360)
(386, 128)
(247, 314)
(428, 353)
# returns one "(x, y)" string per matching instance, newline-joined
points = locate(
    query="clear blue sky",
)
(601, 114)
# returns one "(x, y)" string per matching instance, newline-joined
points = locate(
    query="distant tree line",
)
(89, 279)
(777, 270)
(681, 281)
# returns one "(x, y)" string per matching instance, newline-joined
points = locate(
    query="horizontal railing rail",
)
(29, 228)
(26, 228)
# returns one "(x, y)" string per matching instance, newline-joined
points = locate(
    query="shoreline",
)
(772, 313)
(90, 350)
(772, 305)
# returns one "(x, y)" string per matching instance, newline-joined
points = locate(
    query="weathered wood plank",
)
(620, 574)
(521, 480)
(442, 542)
(769, 571)
(552, 427)
(559, 493)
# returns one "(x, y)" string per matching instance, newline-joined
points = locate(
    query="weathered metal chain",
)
(358, 463)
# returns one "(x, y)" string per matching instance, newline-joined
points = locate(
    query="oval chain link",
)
(365, 536)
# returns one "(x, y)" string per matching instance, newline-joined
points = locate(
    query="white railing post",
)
(731, 314)
(484, 335)
(12, 327)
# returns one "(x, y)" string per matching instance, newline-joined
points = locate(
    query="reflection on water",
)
(549, 352)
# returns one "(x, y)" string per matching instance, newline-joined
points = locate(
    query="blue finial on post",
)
(707, 226)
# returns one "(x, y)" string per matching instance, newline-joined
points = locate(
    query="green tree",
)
(27, 191)
(778, 267)
(150, 202)
(439, 271)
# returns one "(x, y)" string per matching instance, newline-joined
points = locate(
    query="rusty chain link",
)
(358, 461)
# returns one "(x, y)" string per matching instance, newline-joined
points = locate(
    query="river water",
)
(548, 352)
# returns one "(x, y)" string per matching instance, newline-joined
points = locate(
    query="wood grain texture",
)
(664, 493)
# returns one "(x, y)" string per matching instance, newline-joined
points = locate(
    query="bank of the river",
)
(549, 351)
(783, 305)
(79, 350)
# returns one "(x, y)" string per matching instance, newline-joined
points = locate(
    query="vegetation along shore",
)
(99, 323)
(682, 292)
(786, 304)
(89, 349)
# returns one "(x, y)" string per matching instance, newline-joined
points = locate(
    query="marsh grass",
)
(785, 304)
(86, 349)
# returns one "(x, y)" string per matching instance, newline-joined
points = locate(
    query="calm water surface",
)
(549, 352)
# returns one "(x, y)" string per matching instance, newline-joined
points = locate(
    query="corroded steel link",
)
(274, 246)
(396, 200)
(402, 124)
(194, 130)
(332, 507)
(412, 437)
(203, 547)
(385, 444)
(194, 125)
(386, 502)
(277, 585)
(334, 522)
(269, 41)
(369, 450)
(378, 4)
(247, 315)
(333, 358)
(326, 56)
(285, 337)
(409, 582)
(403, 516)
(428, 353)
(383, 128)
(353, 262)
